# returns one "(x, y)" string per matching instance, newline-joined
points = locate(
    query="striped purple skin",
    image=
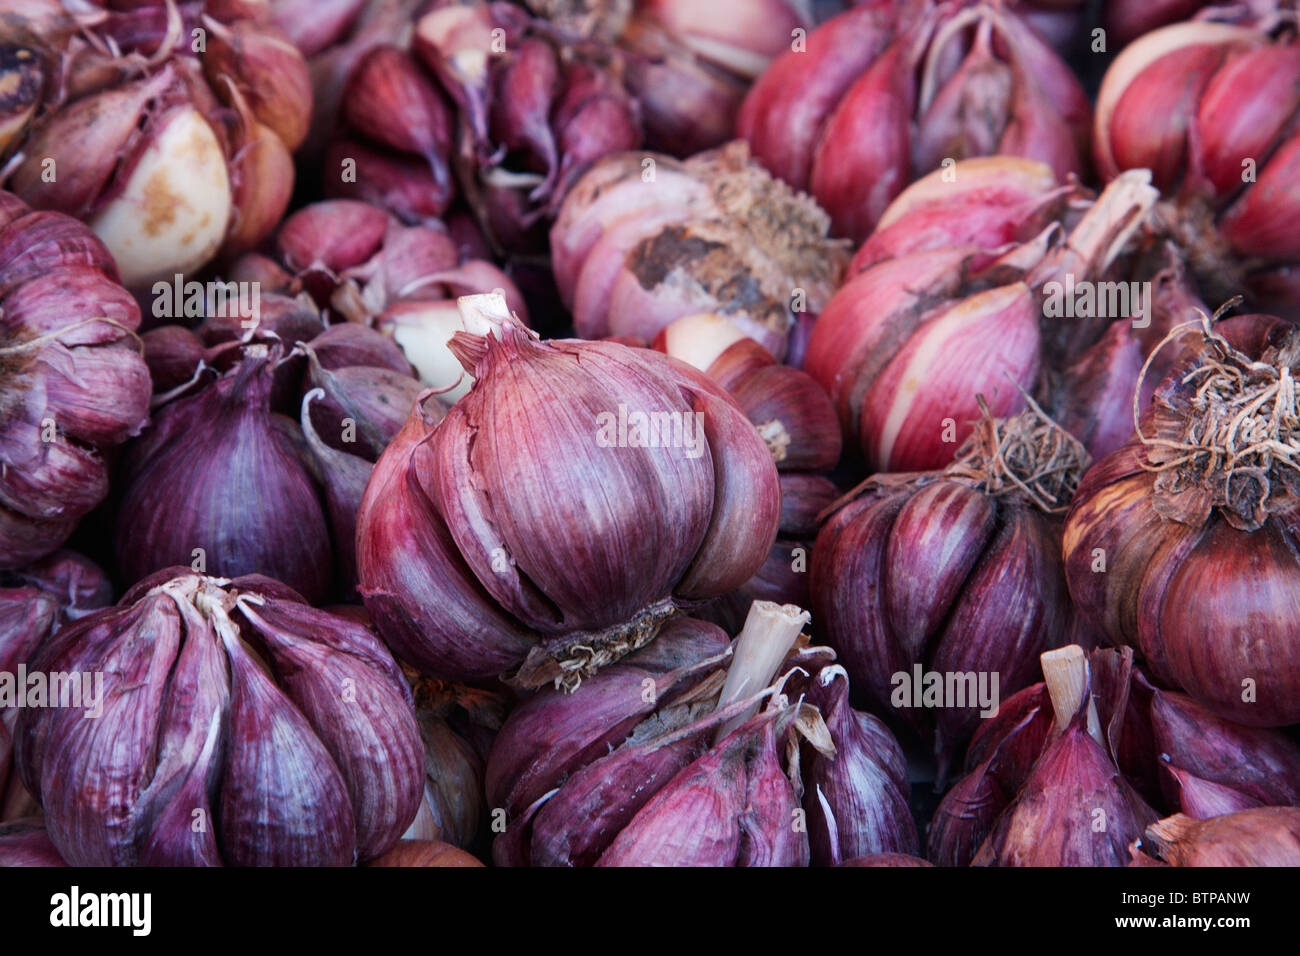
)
(239, 726)
(928, 572)
(217, 472)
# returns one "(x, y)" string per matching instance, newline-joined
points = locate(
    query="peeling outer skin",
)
(692, 268)
(714, 234)
(998, 759)
(564, 661)
(605, 266)
(610, 192)
(858, 795)
(996, 200)
(68, 357)
(1260, 765)
(1263, 836)
(703, 816)
(870, 317)
(552, 734)
(425, 600)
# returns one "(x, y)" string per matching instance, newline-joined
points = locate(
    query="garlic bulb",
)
(222, 735)
(72, 382)
(153, 100)
(576, 498)
(643, 239)
(953, 573)
(1202, 491)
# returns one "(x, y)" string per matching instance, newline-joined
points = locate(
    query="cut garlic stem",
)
(484, 313)
(768, 635)
(1065, 671)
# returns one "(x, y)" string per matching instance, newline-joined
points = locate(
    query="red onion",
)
(902, 346)
(563, 550)
(148, 107)
(644, 239)
(224, 736)
(951, 579)
(1202, 492)
(888, 91)
(72, 383)
(1207, 107)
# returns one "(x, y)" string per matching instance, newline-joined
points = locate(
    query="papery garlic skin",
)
(72, 381)
(643, 239)
(856, 800)
(902, 346)
(513, 515)
(1166, 524)
(242, 498)
(424, 853)
(942, 573)
(885, 93)
(1267, 836)
(34, 602)
(1207, 106)
(366, 266)
(223, 737)
(1054, 822)
(171, 132)
(692, 775)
